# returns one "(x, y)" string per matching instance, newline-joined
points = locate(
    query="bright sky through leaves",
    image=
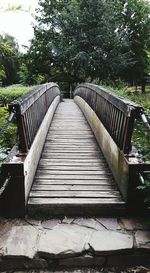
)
(18, 23)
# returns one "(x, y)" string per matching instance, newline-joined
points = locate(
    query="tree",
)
(134, 26)
(91, 39)
(78, 38)
(9, 60)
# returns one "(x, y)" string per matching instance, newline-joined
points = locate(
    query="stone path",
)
(73, 242)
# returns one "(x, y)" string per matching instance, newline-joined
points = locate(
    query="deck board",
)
(72, 172)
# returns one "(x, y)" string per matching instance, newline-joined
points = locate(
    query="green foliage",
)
(8, 138)
(131, 94)
(9, 60)
(145, 188)
(8, 94)
(141, 139)
(74, 37)
(103, 40)
(134, 26)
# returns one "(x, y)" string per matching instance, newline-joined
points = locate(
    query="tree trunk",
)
(143, 85)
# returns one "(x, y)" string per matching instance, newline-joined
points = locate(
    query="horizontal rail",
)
(30, 111)
(3, 187)
(117, 114)
(145, 121)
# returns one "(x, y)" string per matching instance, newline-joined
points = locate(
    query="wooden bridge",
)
(73, 156)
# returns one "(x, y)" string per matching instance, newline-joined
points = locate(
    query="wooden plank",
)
(74, 161)
(99, 181)
(67, 156)
(69, 162)
(72, 172)
(49, 137)
(70, 168)
(66, 177)
(78, 201)
(72, 146)
(71, 149)
(41, 187)
(71, 152)
(92, 194)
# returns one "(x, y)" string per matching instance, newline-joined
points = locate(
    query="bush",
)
(8, 94)
(8, 137)
(12, 92)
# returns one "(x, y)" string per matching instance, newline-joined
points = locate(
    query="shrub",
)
(12, 92)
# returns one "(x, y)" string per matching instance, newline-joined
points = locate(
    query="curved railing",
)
(116, 114)
(30, 111)
(34, 113)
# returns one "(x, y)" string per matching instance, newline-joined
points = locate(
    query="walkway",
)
(73, 242)
(72, 175)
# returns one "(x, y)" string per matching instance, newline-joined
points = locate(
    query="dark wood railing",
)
(112, 120)
(34, 113)
(116, 114)
(30, 111)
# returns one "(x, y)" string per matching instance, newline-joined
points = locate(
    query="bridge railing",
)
(30, 111)
(34, 113)
(112, 121)
(117, 115)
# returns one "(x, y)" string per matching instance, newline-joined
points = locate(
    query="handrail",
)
(4, 185)
(116, 113)
(30, 111)
(145, 120)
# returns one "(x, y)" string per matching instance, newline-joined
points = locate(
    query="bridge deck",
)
(72, 176)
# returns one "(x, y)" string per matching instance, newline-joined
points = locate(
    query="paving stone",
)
(19, 241)
(109, 241)
(89, 223)
(138, 223)
(34, 222)
(127, 224)
(63, 240)
(50, 224)
(142, 239)
(67, 220)
(109, 223)
(6, 225)
(83, 261)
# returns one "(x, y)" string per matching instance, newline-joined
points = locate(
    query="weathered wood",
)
(65, 177)
(72, 172)
(119, 163)
(51, 167)
(72, 167)
(76, 206)
(115, 113)
(30, 111)
(32, 159)
(20, 168)
(73, 187)
(92, 194)
(99, 181)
